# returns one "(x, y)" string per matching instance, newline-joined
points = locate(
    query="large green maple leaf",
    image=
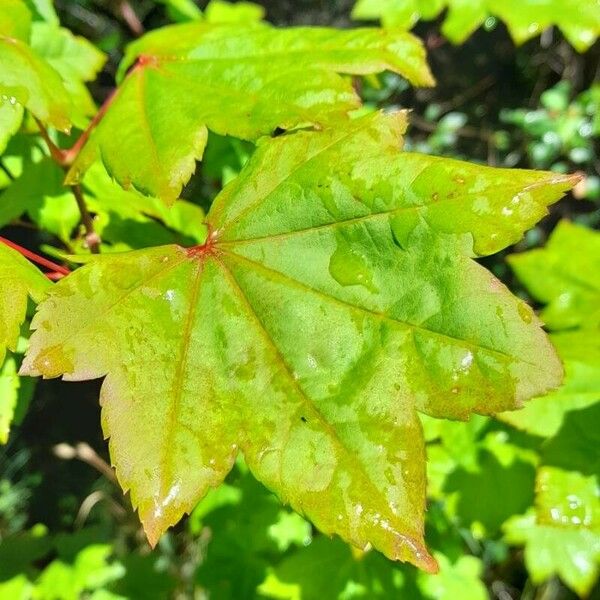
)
(239, 80)
(334, 297)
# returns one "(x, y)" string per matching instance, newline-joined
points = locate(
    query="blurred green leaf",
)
(569, 286)
(573, 553)
(220, 11)
(579, 20)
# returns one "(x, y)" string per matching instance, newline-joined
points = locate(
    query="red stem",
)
(36, 258)
(70, 155)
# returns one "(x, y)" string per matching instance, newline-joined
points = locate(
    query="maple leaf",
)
(237, 80)
(334, 298)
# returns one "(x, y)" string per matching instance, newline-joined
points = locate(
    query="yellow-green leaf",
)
(329, 303)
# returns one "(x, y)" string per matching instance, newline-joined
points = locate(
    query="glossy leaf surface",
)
(330, 303)
(579, 20)
(243, 81)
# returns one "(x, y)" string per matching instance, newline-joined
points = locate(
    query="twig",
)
(36, 258)
(468, 132)
(56, 153)
(91, 237)
(474, 91)
(64, 158)
(87, 454)
(129, 16)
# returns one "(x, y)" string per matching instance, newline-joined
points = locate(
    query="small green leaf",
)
(571, 553)
(460, 579)
(91, 570)
(243, 81)
(570, 288)
(321, 392)
(30, 81)
(19, 280)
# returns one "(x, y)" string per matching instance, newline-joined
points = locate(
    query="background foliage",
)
(513, 506)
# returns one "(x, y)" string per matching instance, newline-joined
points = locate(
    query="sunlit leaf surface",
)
(334, 297)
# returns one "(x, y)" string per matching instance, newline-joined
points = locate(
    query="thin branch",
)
(468, 132)
(87, 454)
(472, 92)
(36, 258)
(91, 237)
(129, 16)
